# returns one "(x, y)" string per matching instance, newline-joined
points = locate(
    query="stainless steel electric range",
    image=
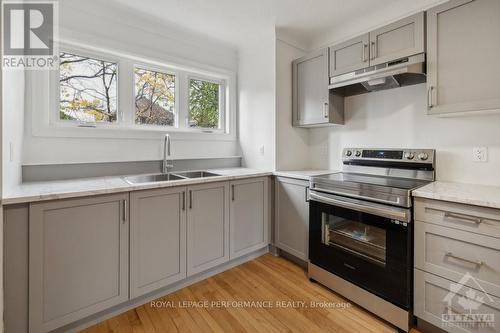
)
(361, 228)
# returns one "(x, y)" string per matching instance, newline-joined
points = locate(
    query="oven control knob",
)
(423, 156)
(348, 153)
(409, 155)
(358, 153)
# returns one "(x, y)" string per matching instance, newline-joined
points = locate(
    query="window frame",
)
(42, 88)
(222, 102)
(56, 92)
(162, 70)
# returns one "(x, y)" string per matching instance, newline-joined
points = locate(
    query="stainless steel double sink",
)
(165, 177)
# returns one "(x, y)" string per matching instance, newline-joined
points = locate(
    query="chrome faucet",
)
(166, 153)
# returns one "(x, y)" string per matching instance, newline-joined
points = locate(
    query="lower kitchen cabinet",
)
(457, 261)
(78, 259)
(292, 216)
(157, 239)
(207, 226)
(249, 216)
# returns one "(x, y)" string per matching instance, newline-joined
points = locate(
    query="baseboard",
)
(110, 313)
(426, 327)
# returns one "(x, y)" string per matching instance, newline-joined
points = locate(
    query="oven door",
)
(367, 244)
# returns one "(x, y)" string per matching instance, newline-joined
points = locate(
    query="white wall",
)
(256, 100)
(397, 118)
(92, 22)
(12, 128)
(292, 144)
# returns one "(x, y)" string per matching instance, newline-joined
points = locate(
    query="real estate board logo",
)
(29, 34)
(466, 305)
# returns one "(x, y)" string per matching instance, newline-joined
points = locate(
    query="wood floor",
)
(272, 283)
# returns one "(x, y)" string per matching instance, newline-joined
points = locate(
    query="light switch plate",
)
(261, 150)
(480, 154)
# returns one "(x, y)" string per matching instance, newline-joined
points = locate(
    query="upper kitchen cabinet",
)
(463, 45)
(397, 40)
(349, 56)
(313, 105)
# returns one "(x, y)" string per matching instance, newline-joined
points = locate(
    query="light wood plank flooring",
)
(267, 278)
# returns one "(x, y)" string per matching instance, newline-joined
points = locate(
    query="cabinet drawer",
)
(452, 253)
(476, 219)
(434, 301)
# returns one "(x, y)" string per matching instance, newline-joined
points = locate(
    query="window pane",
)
(204, 105)
(154, 98)
(87, 89)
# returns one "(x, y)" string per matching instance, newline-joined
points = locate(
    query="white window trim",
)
(43, 100)
(222, 102)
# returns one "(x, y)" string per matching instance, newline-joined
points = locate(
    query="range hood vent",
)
(393, 74)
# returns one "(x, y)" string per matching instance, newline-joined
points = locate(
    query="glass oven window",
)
(356, 237)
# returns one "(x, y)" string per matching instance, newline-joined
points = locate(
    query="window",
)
(154, 98)
(109, 94)
(88, 90)
(204, 104)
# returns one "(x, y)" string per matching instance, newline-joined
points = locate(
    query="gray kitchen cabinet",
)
(157, 239)
(292, 216)
(207, 226)
(435, 299)
(455, 245)
(350, 55)
(463, 45)
(78, 259)
(313, 105)
(249, 216)
(397, 40)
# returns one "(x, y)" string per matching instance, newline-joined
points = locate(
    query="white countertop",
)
(477, 195)
(50, 190)
(302, 174)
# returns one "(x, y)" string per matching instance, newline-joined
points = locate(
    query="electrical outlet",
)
(480, 154)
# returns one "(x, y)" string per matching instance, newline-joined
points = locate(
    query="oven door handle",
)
(399, 214)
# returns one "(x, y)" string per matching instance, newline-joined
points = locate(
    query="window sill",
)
(112, 131)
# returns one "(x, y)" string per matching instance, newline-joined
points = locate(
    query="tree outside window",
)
(204, 108)
(87, 89)
(154, 98)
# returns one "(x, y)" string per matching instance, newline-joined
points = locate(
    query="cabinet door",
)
(207, 226)
(349, 56)
(397, 40)
(310, 85)
(248, 216)
(157, 239)
(78, 259)
(292, 216)
(463, 45)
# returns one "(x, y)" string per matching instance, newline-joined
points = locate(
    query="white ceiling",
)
(234, 21)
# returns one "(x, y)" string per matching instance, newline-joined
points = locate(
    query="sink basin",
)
(196, 174)
(160, 177)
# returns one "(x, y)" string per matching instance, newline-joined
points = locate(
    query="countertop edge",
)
(455, 199)
(467, 194)
(125, 187)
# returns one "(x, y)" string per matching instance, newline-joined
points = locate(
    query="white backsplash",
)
(397, 118)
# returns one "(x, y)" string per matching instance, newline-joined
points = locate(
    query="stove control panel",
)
(395, 155)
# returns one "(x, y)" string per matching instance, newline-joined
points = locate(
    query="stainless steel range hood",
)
(393, 74)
